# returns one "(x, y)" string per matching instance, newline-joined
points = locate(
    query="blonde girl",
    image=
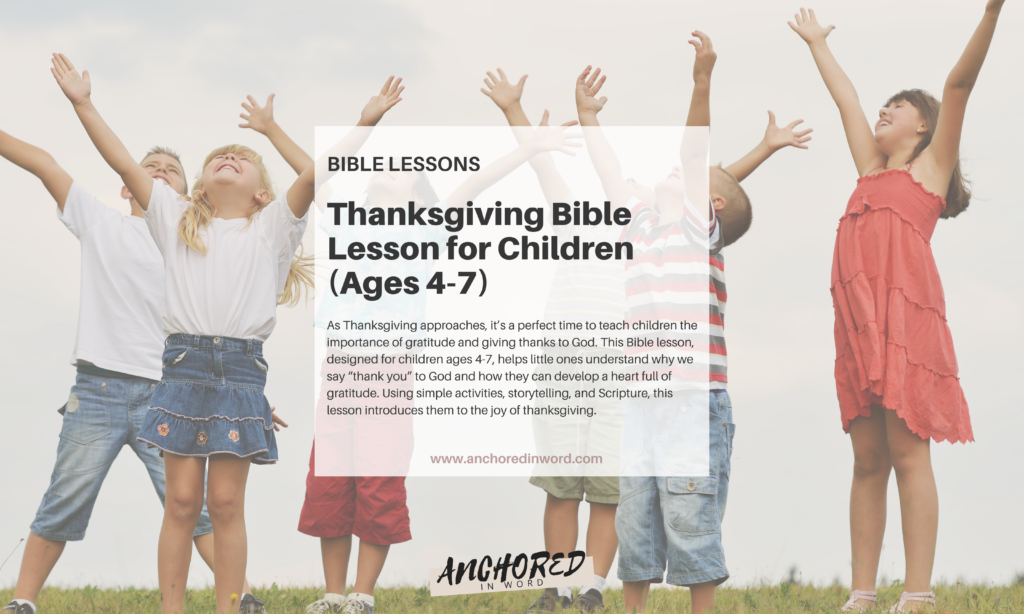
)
(229, 259)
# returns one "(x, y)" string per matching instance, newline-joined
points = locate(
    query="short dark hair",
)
(167, 151)
(422, 190)
(737, 214)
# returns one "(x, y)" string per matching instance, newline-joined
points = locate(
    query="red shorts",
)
(371, 508)
(365, 444)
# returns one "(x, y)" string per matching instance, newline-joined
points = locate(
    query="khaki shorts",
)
(600, 489)
(597, 434)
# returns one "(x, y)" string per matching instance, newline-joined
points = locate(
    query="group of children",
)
(895, 366)
(203, 275)
(657, 520)
(203, 271)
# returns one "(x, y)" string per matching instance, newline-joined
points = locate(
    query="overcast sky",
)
(175, 75)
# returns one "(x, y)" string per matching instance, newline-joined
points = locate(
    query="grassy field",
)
(783, 598)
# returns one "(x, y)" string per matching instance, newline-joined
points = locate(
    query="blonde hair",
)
(200, 214)
(167, 151)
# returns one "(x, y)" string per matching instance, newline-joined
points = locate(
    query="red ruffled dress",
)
(893, 346)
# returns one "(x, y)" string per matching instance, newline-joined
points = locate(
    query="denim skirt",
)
(210, 400)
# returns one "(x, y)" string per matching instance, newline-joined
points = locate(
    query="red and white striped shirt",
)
(675, 297)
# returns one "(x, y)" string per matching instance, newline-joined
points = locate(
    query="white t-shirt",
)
(232, 290)
(122, 298)
(587, 290)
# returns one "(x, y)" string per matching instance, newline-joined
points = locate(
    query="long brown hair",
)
(958, 196)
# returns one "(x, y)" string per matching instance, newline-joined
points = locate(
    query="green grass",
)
(783, 598)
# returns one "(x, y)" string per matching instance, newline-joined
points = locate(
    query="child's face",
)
(167, 169)
(641, 192)
(672, 186)
(391, 188)
(899, 124)
(234, 171)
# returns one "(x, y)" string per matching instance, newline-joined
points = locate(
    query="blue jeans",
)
(103, 414)
(675, 523)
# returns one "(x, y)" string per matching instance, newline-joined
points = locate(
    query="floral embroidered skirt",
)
(210, 400)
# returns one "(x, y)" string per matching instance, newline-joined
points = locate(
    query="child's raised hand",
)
(501, 90)
(587, 87)
(994, 5)
(704, 61)
(256, 117)
(808, 28)
(544, 129)
(380, 104)
(776, 138)
(547, 138)
(544, 121)
(76, 87)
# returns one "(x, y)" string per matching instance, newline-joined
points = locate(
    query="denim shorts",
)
(675, 523)
(102, 415)
(210, 400)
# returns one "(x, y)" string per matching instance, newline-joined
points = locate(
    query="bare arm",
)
(945, 146)
(775, 138)
(300, 195)
(261, 119)
(703, 63)
(606, 163)
(693, 150)
(866, 154)
(543, 164)
(507, 96)
(41, 164)
(78, 89)
(479, 181)
(389, 96)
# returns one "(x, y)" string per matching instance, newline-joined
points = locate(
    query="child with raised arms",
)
(116, 356)
(581, 291)
(371, 507)
(229, 260)
(360, 488)
(896, 371)
(666, 521)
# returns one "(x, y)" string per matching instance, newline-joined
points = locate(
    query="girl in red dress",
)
(896, 372)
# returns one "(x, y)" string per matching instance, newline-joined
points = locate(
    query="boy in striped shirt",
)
(677, 420)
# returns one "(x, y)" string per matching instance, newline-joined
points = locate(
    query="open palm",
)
(389, 96)
(256, 117)
(502, 91)
(808, 28)
(777, 138)
(77, 87)
(587, 87)
(554, 138)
